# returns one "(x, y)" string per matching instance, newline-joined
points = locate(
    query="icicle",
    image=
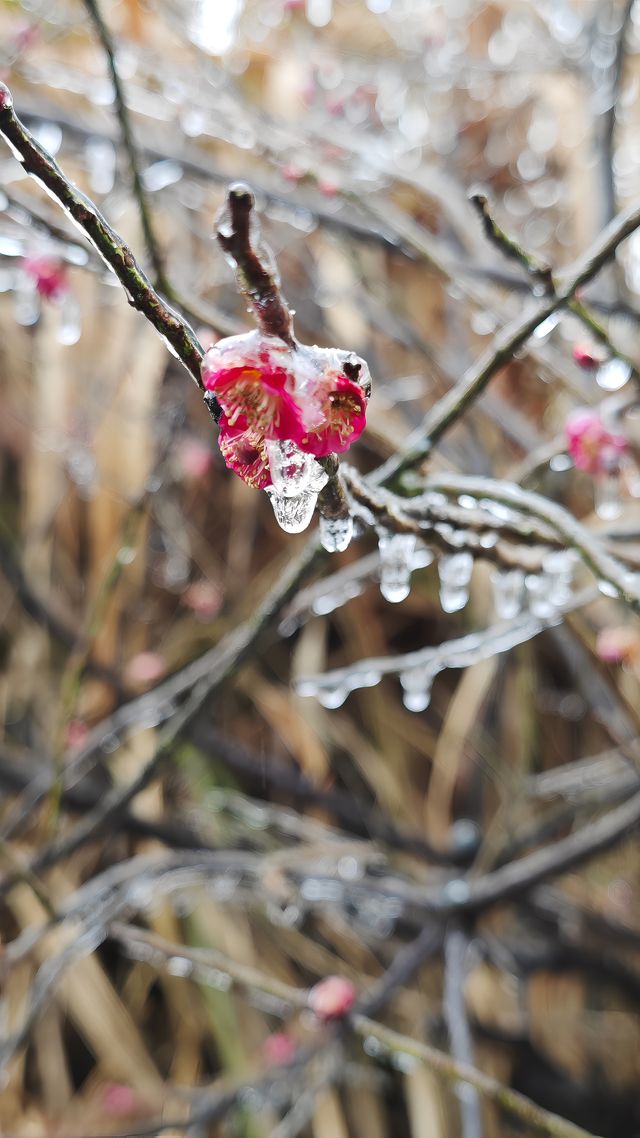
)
(507, 589)
(70, 326)
(291, 469)
(455, 574)
(293, 514)
(558, 574)
(336, 533)
(332, 697)
(26, 302)
(607, 497)
(100, 157)
(396, 561)
(613, 374)
(546, 328)
(416, 687)
(538, 596)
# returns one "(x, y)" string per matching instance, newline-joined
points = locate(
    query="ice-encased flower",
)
(315, 398)
(253, 380)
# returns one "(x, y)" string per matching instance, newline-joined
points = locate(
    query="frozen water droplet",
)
(613, 374)
(546, 328)
(607, 497)
(561, 462)
(538, 595)
(336, 533)
(293, 514)
(558, 572)
(396, 561)
(332, 697)
(100, 157)
(416, 688)
(26, 302)
(70, 325)
(507, 589)
(607, 589)
(455, 574)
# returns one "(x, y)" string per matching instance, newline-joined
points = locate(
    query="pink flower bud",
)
(332, 998)
(144, 670)
(194, 459)
(588, 356)
(49, 275)
(591, 446)
(618, 645)
(278, 1048)
(204, 599)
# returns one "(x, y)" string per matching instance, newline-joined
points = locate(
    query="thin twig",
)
(126, 130)
(454, 1008)
(179, 336)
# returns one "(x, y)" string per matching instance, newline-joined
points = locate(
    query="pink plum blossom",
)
(49, 275)
(332, 998)
(591, 445)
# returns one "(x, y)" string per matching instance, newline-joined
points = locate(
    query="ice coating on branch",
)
(336, 533)
(508, 588)
(455, 574)
(396, 563)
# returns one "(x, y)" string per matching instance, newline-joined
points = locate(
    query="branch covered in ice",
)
(417, 670)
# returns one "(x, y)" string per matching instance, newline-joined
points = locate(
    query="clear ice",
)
(336, 533)
(293, 515)
(508, 587)
(397, 551)
(455, 574)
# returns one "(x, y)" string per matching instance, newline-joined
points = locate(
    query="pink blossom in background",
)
(204, 599)
(145, 669)
(332, 998)
(278, 1048)
(49, 275)
(591, 445)
(618, 645)
(588, 356)
(195, 459)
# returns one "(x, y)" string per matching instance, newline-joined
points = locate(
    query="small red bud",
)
(332, 998)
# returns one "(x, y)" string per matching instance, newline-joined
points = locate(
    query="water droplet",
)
(290, 468)
(558, 571)
(507, 589)
(607, 589)
(336, 533)
(456, 892)
(332, 697)
(613, 374)
(26, 302)
(396, 563)
(455, 574)
(546, 328)
(179, 966)
(561, 462)
(293, 515)
(70, 326)
(607, 497)
(538, 598)
(416, 688)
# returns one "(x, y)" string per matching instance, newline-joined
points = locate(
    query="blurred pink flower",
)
(203, 598)
(332, 998)
(278, 1048)
(592, 447)
(618, 645)
(119, 1100)
(49, 275)
(145, 669)
(195, 459)
(588, 356)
